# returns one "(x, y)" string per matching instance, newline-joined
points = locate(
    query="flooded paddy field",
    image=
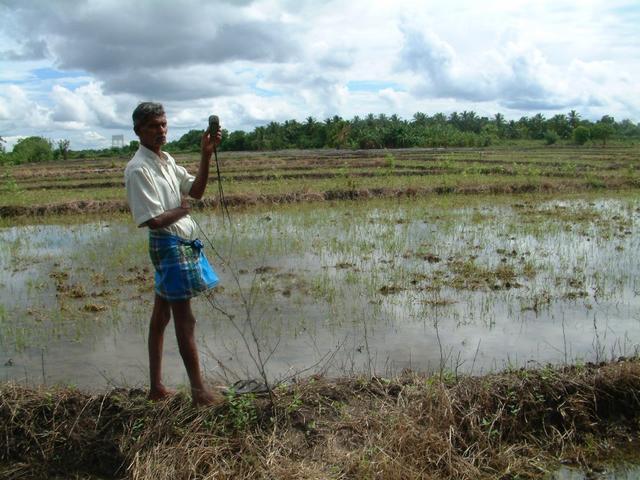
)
(446, 284)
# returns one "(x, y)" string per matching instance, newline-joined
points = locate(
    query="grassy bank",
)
(515, 424)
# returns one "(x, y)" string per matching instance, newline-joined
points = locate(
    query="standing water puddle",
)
(622, 473)
(368, 287)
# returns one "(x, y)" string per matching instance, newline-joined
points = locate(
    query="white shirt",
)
(156, 184)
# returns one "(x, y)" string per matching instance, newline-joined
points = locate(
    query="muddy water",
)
(351, 287)
(617, 473)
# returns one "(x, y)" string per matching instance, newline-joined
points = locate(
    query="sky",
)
(76, 69)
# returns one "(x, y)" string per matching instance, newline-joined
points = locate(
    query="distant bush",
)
(602, 131)
(237, 141)
(189, 142)
(581, 135)
(32, 149)
(449, 136)
(550, 137)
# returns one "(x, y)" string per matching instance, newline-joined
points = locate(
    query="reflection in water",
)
(354, 287)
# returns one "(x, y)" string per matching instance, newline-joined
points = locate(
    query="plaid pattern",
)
(182, 270)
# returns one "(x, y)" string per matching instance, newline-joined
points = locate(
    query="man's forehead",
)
(154, 119)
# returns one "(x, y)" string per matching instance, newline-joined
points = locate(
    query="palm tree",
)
(454, 119)
(560, 125)
(537, 126)
(574, 119)
(420, 118)
(470, 122)
(439, 118)
(498, 119)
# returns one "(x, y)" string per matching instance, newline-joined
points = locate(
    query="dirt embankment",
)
(507, 425)
(248, 199)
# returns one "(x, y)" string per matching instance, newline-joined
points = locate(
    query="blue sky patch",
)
(371, 86)
(629, 9)
(52, 74)
(263, 92)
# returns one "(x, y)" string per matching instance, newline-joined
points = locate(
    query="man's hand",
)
(209, 142)
(185, 203)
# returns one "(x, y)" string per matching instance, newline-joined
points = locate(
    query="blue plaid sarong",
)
(182, 270)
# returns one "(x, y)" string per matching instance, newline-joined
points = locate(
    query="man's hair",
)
(144, 111)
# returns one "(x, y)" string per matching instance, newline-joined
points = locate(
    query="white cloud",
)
(69, 106)
(17, 108)
(86, 104)
(263, 60)
(92, 137)
(516, 75)
(11, 140)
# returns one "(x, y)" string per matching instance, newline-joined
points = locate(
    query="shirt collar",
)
(151, 155)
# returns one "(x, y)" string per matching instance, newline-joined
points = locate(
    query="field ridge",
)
(501, 425)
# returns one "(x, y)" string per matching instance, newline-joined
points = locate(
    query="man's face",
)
(153, 132)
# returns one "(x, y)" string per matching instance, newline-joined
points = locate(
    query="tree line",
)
(466, 129)
(458, 129)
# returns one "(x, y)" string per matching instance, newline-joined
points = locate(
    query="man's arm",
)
(207, 147)
(169, 217)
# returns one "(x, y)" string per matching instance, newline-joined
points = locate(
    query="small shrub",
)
(550, 137)
(581, 135)
(602, 131)
(390, 161)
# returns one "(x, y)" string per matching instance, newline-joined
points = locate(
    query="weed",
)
(295, 403)
(595, 182)
(9, 184)
(243, 412)
(390, 162)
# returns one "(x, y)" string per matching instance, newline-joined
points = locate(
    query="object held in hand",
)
(214, 125)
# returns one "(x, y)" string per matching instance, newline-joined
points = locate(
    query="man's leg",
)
(159, 319)
(185, 323)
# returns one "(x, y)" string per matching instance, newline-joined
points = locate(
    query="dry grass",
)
(508, 425)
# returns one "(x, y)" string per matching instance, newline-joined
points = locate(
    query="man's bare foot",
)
(160, 393)
(206, 398)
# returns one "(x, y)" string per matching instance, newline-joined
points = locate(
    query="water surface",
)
(373, 287)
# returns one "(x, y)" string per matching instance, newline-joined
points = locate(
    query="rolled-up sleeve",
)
(143, 199)
(185, 179)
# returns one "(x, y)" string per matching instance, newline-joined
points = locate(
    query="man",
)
(156, 192)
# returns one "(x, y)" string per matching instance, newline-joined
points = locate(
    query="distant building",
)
(117, 141)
